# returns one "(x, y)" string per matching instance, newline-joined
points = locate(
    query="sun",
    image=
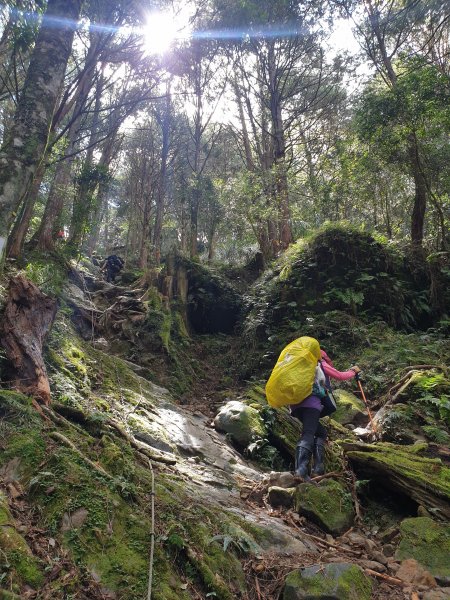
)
(160, 32)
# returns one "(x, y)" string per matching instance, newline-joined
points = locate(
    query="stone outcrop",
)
(336, 581)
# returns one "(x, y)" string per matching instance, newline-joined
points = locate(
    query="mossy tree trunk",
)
(25, 146)
(424, 480)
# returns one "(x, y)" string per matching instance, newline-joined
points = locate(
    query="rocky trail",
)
(291, 539)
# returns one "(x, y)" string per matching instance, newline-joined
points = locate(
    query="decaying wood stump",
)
(28, 317)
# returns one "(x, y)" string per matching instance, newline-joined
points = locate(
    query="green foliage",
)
(329, 286)
(47, 272)
(436, 434)
(267, 456)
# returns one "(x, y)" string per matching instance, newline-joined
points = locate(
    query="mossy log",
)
(28, 317)
(424, 480)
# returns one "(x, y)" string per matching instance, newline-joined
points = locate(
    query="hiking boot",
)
(318, 457)
(302, 457)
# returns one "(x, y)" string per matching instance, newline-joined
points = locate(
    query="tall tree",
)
(27, 139)
(388, 30)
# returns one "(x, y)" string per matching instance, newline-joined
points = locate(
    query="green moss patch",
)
(350, 409)
(16, 558)
(428, 542)
(340, 581)
(328, 504)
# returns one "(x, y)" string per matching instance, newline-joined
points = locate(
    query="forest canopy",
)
(221, 128)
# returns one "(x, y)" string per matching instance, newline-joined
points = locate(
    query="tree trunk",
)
(109, 152)
(25, 147)
(401, 469)
(420, 194)
(161, 192)
(28, 317)
(279, 153)
(82, 202)
(44, 236)
(16, 238)
(195, 203)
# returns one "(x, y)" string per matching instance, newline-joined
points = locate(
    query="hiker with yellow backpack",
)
(300, 379)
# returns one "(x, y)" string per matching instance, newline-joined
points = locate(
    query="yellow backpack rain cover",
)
(292, 378)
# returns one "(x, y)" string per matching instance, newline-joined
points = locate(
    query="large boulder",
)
(336, 581)
(328, 504)
(243, 423)
(350, 409)
(428, 542)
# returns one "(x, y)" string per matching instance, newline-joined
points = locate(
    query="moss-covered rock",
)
(328, 504)
(428, 542)
(279, 496)
(336, 581)
(350, 409)
(243, 423)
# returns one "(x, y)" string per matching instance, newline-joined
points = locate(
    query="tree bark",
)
(82, 202)
(420, 194)
(16, 238)
(28, 317)
(25, 147)
(44, 236)
(161, 192)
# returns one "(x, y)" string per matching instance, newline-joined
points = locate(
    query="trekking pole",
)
(372, 424)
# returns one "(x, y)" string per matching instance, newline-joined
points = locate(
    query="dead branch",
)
(356, 504)
(387, 578)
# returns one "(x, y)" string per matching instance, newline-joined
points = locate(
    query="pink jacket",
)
(335, 374)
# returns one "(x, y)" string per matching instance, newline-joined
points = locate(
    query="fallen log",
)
(425, 480)
(27, 319)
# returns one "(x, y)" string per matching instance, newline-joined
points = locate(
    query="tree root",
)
(142, 448)
(62, 438)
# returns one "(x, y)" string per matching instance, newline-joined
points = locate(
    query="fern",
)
(436, 434)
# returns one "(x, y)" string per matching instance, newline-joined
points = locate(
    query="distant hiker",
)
(301, 379)
(112, 266)
(317, 405)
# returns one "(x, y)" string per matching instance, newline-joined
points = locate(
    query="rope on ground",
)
(152, 533)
